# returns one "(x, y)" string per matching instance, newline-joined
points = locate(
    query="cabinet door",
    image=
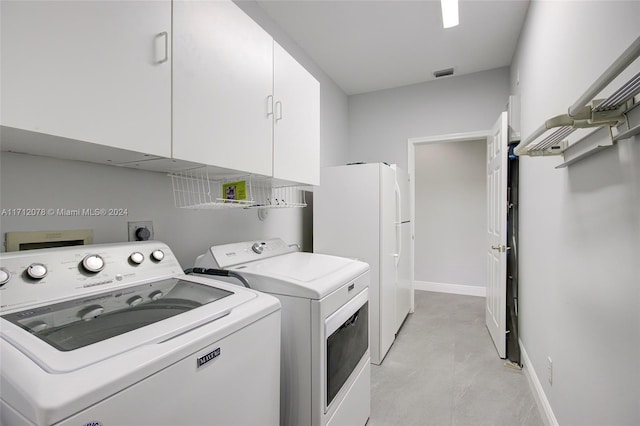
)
(296, 145)
(95, 71)
(222, 85)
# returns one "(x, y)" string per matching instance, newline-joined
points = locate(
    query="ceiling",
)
(369, 45)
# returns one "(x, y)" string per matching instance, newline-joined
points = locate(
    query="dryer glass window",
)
(345, 348)
(77, 323)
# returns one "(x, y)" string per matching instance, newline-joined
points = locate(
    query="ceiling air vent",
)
(443, 73)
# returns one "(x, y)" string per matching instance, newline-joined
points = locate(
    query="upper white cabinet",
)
(240, 101)
(222, 86)
(93, 71)
(198, 82)
(296, 142)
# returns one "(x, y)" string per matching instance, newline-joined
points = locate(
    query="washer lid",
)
(73, 334)
(309, 275)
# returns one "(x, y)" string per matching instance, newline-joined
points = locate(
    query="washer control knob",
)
(156, 295)
(257, 248)
(5, 276)
(134, 301)
(93, 263)
(157, 255)
(37, 271)
(136, 257)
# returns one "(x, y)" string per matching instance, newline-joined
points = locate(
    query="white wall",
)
(381, 122)
(28, 181)
(450, 211)
(31, 181)
(579, 226)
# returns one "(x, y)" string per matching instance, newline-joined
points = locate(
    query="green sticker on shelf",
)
(235, 190)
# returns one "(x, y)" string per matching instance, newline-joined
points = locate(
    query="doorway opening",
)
(449, 203)
(448, 212)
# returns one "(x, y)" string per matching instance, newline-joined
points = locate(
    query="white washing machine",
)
(117, 335)
(325, 327)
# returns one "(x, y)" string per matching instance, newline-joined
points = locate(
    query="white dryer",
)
(325, 327)
(116, 334)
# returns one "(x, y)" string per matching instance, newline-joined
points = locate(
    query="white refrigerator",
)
(360, 211)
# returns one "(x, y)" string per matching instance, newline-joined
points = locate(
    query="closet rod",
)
(626, 59)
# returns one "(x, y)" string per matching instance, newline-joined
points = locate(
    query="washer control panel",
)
(30, 277)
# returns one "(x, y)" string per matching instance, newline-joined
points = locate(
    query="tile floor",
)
(444, 370)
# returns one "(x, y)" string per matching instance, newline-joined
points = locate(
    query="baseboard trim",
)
(467, 290)
(541, 398)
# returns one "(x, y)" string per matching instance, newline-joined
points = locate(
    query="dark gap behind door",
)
(513, 347)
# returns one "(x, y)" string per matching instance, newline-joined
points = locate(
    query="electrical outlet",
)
(141, 231)
(550, 370)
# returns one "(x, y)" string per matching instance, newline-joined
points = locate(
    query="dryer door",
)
(347, 332)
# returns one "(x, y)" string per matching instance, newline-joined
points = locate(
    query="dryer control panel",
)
(29, 277)
(228, 255)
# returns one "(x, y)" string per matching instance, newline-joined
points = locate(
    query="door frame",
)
(411, 165)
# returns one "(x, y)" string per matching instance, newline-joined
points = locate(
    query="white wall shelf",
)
(592, 143)
(574, 134)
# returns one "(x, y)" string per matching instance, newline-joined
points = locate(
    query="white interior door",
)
(495, 312)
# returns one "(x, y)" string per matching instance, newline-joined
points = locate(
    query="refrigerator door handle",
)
(398, 223)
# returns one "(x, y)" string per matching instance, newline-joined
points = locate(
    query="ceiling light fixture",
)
(449, 13)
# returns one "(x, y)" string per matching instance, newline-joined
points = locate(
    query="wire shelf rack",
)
(277, 197)
(197, 189)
